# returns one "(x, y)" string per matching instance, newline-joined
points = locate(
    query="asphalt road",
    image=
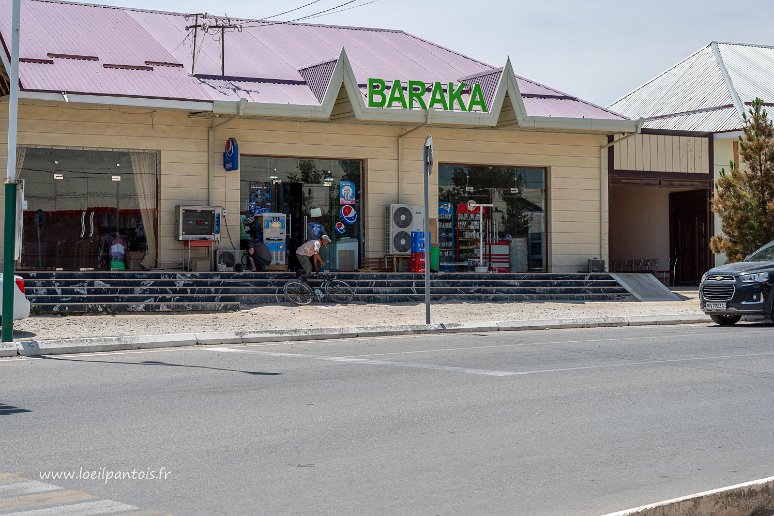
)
(544, 422)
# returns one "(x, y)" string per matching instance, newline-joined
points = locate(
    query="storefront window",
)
(316, 196)
(88, 210)
(509, 236)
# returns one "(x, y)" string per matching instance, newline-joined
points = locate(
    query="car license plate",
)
(715, 306)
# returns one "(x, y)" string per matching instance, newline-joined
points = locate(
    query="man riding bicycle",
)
(308, 254)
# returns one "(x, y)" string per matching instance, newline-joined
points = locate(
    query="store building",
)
(121, 125)
(662, 180)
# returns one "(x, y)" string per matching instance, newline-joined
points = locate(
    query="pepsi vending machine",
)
(275, 231)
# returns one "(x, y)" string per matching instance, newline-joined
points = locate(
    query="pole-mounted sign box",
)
(231, 155)
(444, 96)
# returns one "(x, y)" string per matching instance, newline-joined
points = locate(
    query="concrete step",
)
(175, 291)
(107, 308)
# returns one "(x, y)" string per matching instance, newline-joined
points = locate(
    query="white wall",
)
(639, 223)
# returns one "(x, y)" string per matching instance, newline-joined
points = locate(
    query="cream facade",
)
(190, 167)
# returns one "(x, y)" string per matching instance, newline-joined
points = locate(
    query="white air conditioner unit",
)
(226, 259)
(402, 219)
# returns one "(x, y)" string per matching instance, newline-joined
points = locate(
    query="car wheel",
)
(726, 320)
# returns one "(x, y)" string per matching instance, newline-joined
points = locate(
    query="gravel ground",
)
(283, 317)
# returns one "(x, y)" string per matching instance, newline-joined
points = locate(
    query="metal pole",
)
(9, 238)
(428, 161)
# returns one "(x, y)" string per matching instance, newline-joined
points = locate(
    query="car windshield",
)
(764, 254)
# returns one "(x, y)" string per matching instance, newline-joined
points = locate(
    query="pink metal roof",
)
(65, 47)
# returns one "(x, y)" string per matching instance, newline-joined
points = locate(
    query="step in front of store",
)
(125, 292)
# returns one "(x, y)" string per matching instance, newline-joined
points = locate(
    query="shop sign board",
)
(444, 96)
(231, 155)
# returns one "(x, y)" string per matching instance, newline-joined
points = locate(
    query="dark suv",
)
(743, 288)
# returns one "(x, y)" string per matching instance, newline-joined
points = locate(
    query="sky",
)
(598, 50)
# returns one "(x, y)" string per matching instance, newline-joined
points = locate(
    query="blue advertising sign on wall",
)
(231, 155)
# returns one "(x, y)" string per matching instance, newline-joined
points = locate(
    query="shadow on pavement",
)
(158, 363)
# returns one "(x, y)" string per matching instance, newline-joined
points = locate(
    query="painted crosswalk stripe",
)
(24, 488)
(49, 498)
(33, 498)
(79, 509)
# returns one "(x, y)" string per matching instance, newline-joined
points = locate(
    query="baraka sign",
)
(443, 96)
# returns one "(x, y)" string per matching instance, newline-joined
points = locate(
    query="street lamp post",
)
(428, 162)
(9, 238)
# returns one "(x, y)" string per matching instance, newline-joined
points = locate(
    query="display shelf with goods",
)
(468, 241)
(446, 234)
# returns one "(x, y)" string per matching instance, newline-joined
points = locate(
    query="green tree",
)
(744, 198)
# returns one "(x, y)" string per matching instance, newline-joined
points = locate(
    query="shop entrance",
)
(659, 228)
(316, 197)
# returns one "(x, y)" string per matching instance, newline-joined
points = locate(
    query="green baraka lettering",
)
(456, 95)
(440, 98)
(396, 95)
(477, 98)
(415, 91)
(374, 92)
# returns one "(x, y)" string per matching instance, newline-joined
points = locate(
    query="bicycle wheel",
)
(298, 292)
(340, 292)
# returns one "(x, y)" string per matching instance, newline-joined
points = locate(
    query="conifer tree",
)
(744, 198)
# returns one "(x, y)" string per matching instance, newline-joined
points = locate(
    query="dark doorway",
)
(689, 235)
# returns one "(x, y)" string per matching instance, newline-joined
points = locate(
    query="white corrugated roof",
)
(705, 91)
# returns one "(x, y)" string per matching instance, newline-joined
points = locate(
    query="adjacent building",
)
(661, 180)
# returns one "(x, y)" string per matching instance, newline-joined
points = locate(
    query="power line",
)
(258, 23)
(290, 11)
(325, 11)
(342, 10)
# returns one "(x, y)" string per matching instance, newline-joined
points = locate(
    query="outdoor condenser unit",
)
(198, 222)
(402, 219)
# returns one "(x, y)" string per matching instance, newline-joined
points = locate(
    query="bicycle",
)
(300, 292)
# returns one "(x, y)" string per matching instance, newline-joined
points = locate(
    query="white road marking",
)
(17, 492)
(738, 332)
(25, 488)
(365, 361)
(485, 372)
(79, 509)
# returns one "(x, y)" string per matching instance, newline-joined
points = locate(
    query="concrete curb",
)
(106, 344)
(748, 498)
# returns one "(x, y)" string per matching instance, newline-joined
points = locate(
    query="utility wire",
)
(342, 10)
(260, 24)
(290, 11)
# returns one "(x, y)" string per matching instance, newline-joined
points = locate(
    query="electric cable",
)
(342, 10)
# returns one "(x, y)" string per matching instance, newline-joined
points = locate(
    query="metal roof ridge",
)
(318, 63)
(232, 18)
(480, 74)
(238, 78)
(727, 79)
(658, 76)
(756, 45)
(690, 112)
(113, 7)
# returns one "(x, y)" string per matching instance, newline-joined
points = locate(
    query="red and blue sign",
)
(231, 155)
(340, 228)
(348, 214)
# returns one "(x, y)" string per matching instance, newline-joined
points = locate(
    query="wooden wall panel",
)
(662, 153)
